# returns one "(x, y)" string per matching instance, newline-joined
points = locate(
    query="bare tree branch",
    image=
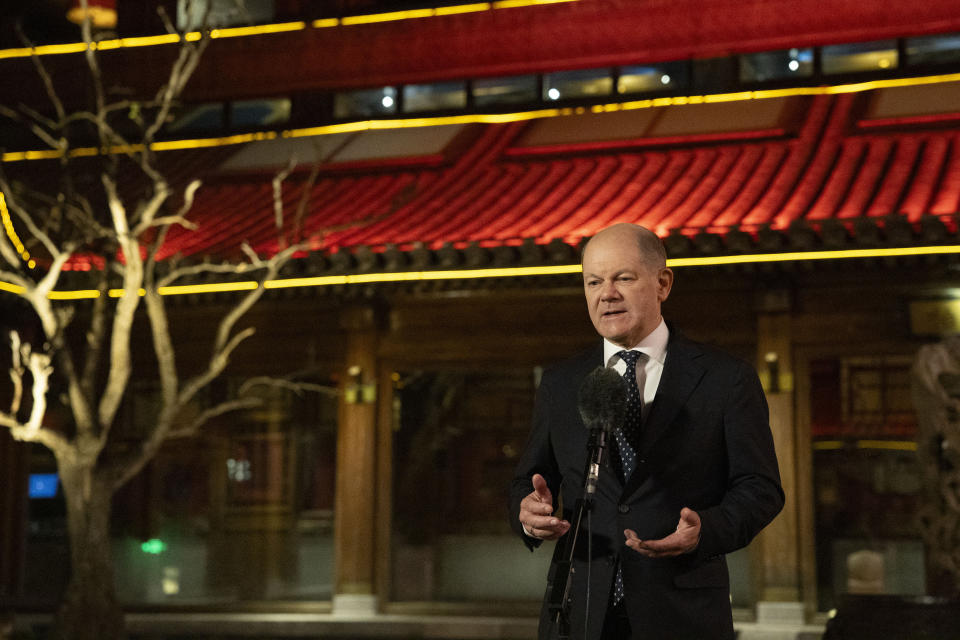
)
(198, 269)
(285, 383)
(38, 364)
(205, 416)
(36, 127)
(148, 219)
(13, 204)
(182, 70)
(44, 76)
(124, 312)
(94, 338)
(278, 193)
(304, 203)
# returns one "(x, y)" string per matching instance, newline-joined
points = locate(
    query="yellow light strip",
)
(81, 294)
(12, 233)
(890, 445)
(508, 272)
(488, 118)
(262, 29)
(512, 4)
(827, 445)
(386, 17)
(893, 445)
(215, 287)
(813, 255)
(256, 30)
(408, 276)
(462, 8)
(11, 288)
(119, 293)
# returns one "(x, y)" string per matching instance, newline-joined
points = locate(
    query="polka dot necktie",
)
(627, 436)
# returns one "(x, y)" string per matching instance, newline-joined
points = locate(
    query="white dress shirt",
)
(655, 348)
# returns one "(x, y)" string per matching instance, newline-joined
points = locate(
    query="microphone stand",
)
(561, 572)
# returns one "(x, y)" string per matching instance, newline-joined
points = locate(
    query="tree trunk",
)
(90, 610)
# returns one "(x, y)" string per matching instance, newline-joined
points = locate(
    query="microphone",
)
(602, 402)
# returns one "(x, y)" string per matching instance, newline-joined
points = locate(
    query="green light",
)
(154, 546)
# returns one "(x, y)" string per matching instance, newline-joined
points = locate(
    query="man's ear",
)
(664, 283)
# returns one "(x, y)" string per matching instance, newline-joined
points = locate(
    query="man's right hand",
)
(536, 513)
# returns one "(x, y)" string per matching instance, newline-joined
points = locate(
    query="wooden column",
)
(776, 557)
(355, 528)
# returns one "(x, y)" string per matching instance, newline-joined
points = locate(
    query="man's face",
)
(623, 291)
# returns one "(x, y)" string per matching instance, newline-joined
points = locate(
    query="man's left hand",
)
(684, 540)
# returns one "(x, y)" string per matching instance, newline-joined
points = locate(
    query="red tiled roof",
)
(490, 197)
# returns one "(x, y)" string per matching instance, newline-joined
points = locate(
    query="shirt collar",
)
(654, 345)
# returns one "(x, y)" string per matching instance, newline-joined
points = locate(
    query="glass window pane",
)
(933, 49)
(366, 102)
(197, 118)
(866, 477)
(644, 79)
(245, 512)
(584, 83)
(456, 440)
(513, 90)
(259, 113)
(776, 65)
(860, 56)
(435, 97)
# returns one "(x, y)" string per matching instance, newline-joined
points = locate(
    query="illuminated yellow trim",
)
(215, 287)
(893, 445)
(408, 276)
(82, 294)
(827, 445)
(12, 233)
(486, 118)
(507, 272)
(462, 8)
(200, 143)
(256, 30)
(511, 4)
(119, 293)
(813, 255)
(280, 27)
(386, 17)
(11, 288)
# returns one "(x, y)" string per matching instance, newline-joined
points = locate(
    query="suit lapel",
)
(681, 375)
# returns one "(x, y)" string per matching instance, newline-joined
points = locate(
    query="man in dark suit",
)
(693, 473)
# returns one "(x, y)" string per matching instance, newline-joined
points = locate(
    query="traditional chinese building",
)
(802, 164)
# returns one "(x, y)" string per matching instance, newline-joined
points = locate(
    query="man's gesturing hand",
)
(536, 512)
(683, 540)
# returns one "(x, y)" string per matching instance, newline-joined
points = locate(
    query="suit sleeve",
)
(753, 495)
(537, 457)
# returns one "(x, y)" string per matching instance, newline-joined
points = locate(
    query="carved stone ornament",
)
(936, 399)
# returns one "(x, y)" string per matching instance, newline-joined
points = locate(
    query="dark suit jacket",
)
(706, 445)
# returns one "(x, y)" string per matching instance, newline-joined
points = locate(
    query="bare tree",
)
(118, 220)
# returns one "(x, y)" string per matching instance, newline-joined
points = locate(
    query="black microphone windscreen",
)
(603, 399)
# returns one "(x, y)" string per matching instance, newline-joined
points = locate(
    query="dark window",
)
(940, 49)
(583, 83)
(512, 90)
(654, 77)
(440, 96)
(366, 102)
(776, 65)
(860, 56)
(259, 113)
